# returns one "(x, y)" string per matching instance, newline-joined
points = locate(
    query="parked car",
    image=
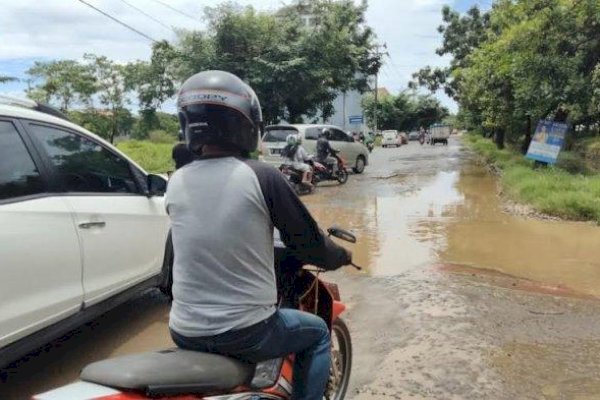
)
(391, 138)
(413, 135)
(354, 153)
(84, 228)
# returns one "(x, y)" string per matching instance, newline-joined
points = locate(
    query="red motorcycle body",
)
(297, 287)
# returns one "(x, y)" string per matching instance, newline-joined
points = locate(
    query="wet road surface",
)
(459, 300)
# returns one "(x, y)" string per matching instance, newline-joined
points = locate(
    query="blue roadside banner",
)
(547, 141)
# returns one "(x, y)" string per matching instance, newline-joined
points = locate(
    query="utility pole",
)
(378, 54)
(344, 108)
(376, 101)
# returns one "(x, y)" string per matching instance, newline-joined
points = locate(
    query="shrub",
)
(153, 157)
(160, 136)
(572, 162)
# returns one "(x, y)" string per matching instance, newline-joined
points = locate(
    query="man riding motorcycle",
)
(223, 208)
(325, 153)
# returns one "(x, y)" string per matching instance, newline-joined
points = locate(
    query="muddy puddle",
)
(409, 221)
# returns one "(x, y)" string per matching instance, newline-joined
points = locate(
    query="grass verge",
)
(153, 157)
(551, 190)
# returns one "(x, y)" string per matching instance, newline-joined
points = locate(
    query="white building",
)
(349, 114)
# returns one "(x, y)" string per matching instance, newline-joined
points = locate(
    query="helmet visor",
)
(210, 123)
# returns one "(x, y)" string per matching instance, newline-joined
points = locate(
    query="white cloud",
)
(69, 28)
(55, 29)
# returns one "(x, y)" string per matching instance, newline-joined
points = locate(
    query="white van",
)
(391, 138)
(440, 134)
(274, 140)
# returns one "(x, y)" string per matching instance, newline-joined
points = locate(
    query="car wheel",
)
(359, 168)
(166, 279)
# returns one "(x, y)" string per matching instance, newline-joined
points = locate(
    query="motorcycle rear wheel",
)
(342, 176)
(341, 361)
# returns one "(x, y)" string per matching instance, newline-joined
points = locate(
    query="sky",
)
(32, 30)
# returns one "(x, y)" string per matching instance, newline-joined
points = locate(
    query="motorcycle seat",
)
(170, 372)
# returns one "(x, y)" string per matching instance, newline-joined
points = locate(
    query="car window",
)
(339, 136)
(84, 165)
(312, 133)
(19, 175)
(278, 134)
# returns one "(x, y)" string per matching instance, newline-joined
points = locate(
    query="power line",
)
(385, 72)
(177, 11)
(378, 54)
(148, 15)
(395, 67)
(118, 21)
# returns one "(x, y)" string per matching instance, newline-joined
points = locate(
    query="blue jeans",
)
(286, 332)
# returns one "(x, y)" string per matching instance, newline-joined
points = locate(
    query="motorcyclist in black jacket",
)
(325, 153)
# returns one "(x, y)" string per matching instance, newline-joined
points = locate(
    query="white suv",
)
(274, 140)
(82, 228)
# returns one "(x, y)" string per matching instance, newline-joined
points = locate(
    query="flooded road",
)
(423, 206)
(459, 300)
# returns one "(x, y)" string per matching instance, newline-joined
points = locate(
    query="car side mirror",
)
(157, 185)
(342, 234)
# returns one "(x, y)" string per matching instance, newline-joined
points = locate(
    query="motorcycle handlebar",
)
(358, 267)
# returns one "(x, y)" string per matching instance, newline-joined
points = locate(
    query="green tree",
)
(522, 61)
(100, 122)
(63, 82)
(297, 71)
(406, 111)
(111, 91)
(461, 35)
(152, 120)
(6, 79)
(154, 81)
(538, 62)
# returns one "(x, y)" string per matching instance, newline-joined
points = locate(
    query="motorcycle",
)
(369, 144)
(188, 375)
(422, 138)
(336, 172)
(294, 178)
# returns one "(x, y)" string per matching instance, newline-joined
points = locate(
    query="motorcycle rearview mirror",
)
(342, 234)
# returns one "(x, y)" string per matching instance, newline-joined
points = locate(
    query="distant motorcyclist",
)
(325, 153)
(298, 158)
(367, 140)
(422, 136)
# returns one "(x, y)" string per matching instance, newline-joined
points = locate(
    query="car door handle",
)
(95, 224)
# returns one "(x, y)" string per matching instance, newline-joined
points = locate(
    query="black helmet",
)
(216, 107)
(326, 133)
